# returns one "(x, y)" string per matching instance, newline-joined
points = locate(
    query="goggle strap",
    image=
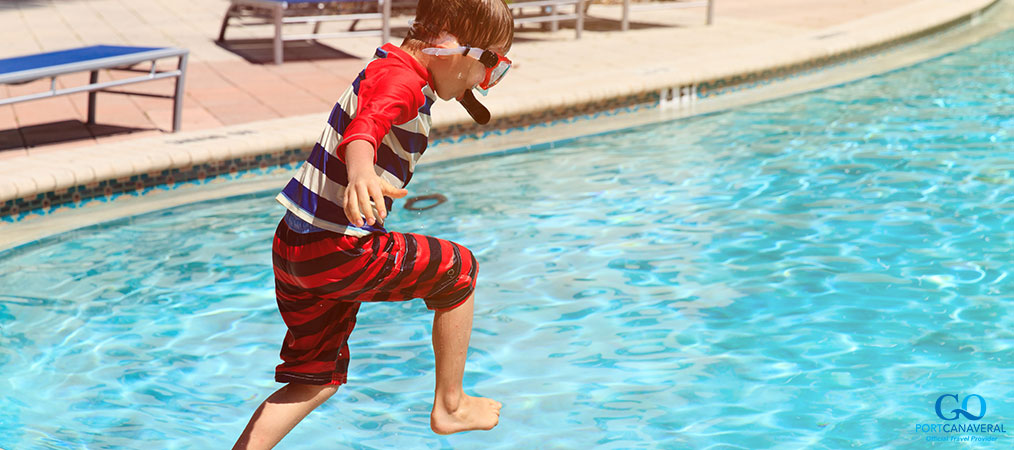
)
(486, 57)
(489, 59)
(442, 51)
(476, 53)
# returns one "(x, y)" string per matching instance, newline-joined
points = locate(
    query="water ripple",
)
(807, 273)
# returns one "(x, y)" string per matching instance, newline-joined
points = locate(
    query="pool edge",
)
(201, 159)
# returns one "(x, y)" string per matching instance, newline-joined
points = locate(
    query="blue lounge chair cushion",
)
(22, 68)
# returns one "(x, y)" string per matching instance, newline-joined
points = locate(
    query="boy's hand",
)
(365, 185)
(363, 188)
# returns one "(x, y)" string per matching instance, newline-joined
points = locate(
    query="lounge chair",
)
(551, 12)
(653, 6)
(23, 69)
(283, 12)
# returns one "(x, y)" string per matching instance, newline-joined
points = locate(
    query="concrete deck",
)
(223, 88)
(238, 104)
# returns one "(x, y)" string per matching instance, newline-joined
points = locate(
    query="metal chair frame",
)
(549, 12)
(283, 12)
(24, 73)
(654, 6)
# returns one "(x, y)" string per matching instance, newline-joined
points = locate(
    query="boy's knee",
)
(463, 267)
(465, 270)
(309, 391)
(457, 283)
(468, 259)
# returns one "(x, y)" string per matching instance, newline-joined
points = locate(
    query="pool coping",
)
(39, 186)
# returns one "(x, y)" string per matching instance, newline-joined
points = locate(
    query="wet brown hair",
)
(476, 23)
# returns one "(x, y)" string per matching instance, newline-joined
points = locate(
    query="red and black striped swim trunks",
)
(321, 278)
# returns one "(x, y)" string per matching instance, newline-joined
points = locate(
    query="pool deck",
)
(238, 105)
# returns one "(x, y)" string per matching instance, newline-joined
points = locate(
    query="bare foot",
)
(471, 413)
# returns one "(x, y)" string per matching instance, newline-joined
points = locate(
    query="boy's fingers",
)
(364, 204)
(378, 200)
(352, 208)
(394, 192)
(358, 201)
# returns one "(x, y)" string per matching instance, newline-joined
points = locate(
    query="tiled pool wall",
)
(142, 184)
(285, 160)
(42, 204)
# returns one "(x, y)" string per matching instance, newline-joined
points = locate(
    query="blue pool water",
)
(813, 272)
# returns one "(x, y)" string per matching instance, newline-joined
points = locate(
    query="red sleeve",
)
(386, 97)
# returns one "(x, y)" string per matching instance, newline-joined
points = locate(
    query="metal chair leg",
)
(225, 22)
(385, 26)
(626, 16)
(94, 78)
(581, 9)
(278, 34)
(178, 99)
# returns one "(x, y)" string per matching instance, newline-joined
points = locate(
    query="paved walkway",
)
(233, 85)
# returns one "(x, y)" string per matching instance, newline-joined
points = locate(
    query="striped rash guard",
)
(387, 105)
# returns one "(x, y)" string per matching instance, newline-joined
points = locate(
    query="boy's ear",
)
(446, 40)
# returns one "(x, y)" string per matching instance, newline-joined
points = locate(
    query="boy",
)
(331, 251)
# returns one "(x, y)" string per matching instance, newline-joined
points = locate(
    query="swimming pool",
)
(807, 273)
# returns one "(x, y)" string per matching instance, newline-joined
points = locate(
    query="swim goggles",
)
(496, 65)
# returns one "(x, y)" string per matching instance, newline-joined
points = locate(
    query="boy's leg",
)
(453, 410)
(315, 350)
(280, 413)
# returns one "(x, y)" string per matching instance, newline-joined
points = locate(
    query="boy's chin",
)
(449, 96)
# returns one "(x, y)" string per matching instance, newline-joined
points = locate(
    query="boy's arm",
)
(386, 97)
(365, 185)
